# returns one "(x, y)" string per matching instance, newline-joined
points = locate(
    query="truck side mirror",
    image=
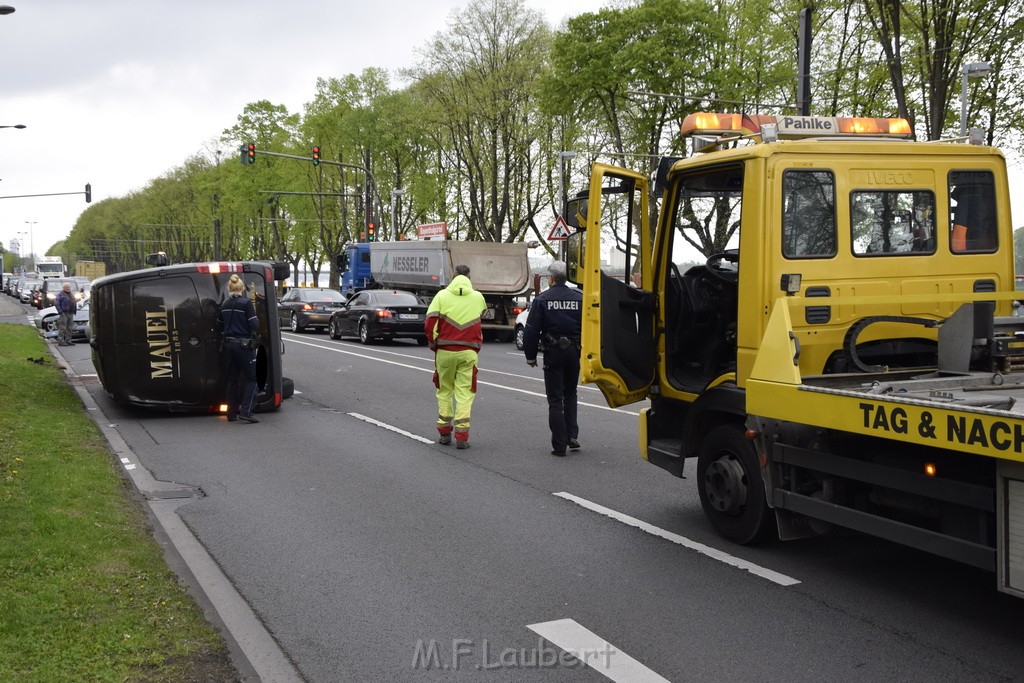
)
(282, 270)
(576, 211)
(575, 249)
(158, 259)
(341, 262)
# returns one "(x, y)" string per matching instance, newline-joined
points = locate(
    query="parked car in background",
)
(25, 285)
(521, 326)
(46, 321)
(36, 294)
(53, 285)
(303, 307)
(380, 314)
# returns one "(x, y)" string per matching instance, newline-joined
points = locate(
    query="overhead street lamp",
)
(395, 194)
(31, 242)
(18, 125)
(971, 70)
(6, 9)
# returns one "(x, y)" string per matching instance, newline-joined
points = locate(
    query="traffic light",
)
(248, 153)
(88, 193)
(316, 156)
(371, 232)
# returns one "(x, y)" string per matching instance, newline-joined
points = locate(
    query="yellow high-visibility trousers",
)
(456, 389)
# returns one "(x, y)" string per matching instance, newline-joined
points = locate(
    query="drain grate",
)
(189, 492)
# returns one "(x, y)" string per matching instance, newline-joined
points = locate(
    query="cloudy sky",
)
(118, 92)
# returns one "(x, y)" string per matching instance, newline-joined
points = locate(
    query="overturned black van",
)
(156, 341)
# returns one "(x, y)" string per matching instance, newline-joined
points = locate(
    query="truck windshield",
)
(50, 268)
(706, 216)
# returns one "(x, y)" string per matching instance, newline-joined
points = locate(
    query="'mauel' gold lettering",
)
(159, 342)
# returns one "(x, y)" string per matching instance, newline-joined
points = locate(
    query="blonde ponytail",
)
(235, 285)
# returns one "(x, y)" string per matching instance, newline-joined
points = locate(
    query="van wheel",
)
(422, 341)
(730, 486)
(287, 387)
(364, 333)
(332, 330)
(520, 334)
(50, 324)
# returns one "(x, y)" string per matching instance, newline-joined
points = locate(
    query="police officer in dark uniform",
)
(238, 324)
(554, 326)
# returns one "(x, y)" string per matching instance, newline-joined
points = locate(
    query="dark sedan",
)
(303, 307)
(380, 314)
(36, 294)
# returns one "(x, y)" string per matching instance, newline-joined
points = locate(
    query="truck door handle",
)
(796, 343)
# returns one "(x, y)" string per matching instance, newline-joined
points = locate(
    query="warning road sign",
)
(560, 231)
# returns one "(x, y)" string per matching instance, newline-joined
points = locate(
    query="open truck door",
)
(618, 344)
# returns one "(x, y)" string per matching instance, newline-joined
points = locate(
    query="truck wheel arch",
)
(717, 406)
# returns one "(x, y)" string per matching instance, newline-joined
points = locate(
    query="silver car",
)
(46, 321)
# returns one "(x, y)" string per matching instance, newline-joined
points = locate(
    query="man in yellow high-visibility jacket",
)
(455, 335)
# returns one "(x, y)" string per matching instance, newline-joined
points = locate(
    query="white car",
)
(521, 326)
(46, 321)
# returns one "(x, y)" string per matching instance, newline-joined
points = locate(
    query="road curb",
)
(255, 653)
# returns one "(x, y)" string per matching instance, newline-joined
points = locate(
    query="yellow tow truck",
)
(851, 355)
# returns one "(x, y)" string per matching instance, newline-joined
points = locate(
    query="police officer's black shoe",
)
(574, 445)
(248, 418)
(560, 454)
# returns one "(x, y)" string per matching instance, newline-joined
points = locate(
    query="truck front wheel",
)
(730, 486)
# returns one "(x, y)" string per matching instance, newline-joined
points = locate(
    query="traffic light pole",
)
(369, 176)
(87, 192)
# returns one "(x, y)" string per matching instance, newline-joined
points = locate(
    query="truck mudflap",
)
(1010, 526)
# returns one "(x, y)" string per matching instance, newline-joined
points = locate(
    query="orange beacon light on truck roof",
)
(794, 127)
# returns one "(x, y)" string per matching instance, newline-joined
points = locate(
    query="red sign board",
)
(560, 231)
(432, 230)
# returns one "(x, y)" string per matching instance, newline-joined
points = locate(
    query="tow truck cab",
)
(156, 338)
(875, 218)
(841, 254)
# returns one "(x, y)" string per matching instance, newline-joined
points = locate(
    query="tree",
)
(479, 81)
(266, 230)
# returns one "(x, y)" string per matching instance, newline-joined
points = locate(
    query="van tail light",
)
(277, 399)
(383, 313)
(516, 310)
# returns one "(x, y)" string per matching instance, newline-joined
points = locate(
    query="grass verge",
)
(85, 593)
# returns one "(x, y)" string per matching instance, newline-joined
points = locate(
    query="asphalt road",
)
(371, 553)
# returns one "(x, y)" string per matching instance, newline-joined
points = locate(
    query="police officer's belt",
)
(563, 342)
